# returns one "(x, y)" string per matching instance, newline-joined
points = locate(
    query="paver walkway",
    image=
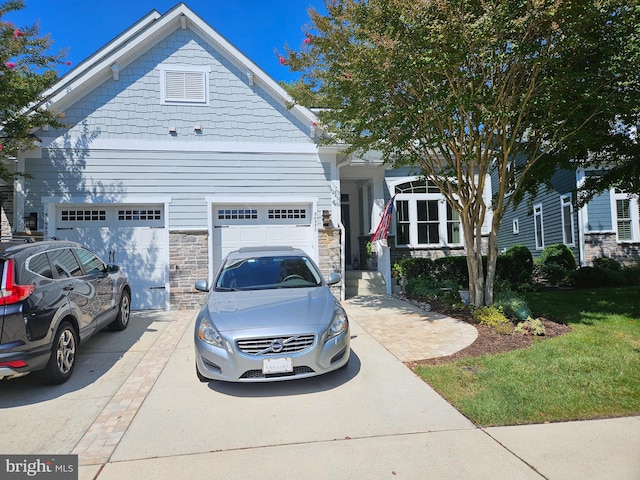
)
(409, 332)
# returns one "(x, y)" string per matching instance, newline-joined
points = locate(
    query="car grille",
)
(275, 345)
(296, 371)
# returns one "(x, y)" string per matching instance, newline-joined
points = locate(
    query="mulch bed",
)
(488, 341)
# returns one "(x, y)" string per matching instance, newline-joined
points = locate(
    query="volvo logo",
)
(277, 345)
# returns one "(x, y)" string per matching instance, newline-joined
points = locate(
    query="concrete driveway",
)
(135, 410)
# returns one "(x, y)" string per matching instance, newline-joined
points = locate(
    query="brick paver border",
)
(103, 436)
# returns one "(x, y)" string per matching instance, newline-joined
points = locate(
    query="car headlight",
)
(208, 334)
(338, 325)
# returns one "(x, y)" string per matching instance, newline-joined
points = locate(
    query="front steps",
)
(364, 282)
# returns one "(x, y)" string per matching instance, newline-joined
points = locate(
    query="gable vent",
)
(185, 87)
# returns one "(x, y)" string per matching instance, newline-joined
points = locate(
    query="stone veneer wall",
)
(329, 255)
(598, 245)
(6, 210)
(188, 262)
(433, 253)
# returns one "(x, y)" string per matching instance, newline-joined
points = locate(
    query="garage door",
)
(131, 236)
(237, 226)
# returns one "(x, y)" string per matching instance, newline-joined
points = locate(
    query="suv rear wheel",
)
(63, 356)
(124, 313)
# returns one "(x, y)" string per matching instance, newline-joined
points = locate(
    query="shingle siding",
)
(131, 107)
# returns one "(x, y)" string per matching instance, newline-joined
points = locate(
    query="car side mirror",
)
(201, 285)
(113, 268)
(334, 278)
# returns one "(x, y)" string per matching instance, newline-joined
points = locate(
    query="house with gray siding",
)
(607, 226)
(178, 149)
(548, 218)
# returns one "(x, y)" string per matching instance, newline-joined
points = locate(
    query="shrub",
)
(427, 287)
(556, 263)
(446, 272)
(515, 267)
(607, 264)
(491, 316)
(452, 269)
(414, 267)
(631, 275)
(531, 327)
(509, 302)
(589, 277)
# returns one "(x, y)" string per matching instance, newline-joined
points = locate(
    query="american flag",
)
(383, 227)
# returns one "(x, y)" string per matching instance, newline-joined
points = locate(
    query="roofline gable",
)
(139, 38)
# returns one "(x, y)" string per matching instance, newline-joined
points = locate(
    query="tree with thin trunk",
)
(471, 92)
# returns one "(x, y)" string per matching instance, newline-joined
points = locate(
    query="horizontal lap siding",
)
(599, 213)
(185, 177)
(563, 182)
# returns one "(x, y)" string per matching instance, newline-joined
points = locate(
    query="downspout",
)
(343, 264)
(582, 217)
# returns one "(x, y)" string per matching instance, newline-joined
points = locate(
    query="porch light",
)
(326, 218)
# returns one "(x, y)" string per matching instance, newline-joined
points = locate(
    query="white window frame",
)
(187, 71)
(539, 233)
(443, 222)
(516, 226)
(567, 201)
(634, 215)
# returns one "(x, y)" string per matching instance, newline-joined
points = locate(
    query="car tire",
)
(124, 313)
(63, 356)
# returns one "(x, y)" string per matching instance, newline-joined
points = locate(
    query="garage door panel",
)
(121, 237)
(229, 239)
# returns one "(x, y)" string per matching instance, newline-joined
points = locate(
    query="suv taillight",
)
(10, 292)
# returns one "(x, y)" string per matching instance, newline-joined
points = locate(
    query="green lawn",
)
(591, 372)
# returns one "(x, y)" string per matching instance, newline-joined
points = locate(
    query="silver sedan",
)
(270, 316)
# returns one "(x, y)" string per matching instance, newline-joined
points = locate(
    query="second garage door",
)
(237, 226)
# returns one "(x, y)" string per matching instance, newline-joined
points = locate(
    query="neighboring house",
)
(547, 219)
(607, 226)
(178, 150)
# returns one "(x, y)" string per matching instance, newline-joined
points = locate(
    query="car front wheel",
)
(63, 356)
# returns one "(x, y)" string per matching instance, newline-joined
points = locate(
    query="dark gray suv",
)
(54, 295)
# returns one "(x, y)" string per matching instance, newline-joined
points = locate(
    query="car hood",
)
(271, 308)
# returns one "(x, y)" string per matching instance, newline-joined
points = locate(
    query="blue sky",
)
(255, 27)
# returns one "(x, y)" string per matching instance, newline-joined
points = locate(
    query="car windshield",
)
(259, 273)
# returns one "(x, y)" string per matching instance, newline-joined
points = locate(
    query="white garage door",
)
(237, 226)
(131, 236)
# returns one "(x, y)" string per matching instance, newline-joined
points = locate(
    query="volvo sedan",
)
(270, 316)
